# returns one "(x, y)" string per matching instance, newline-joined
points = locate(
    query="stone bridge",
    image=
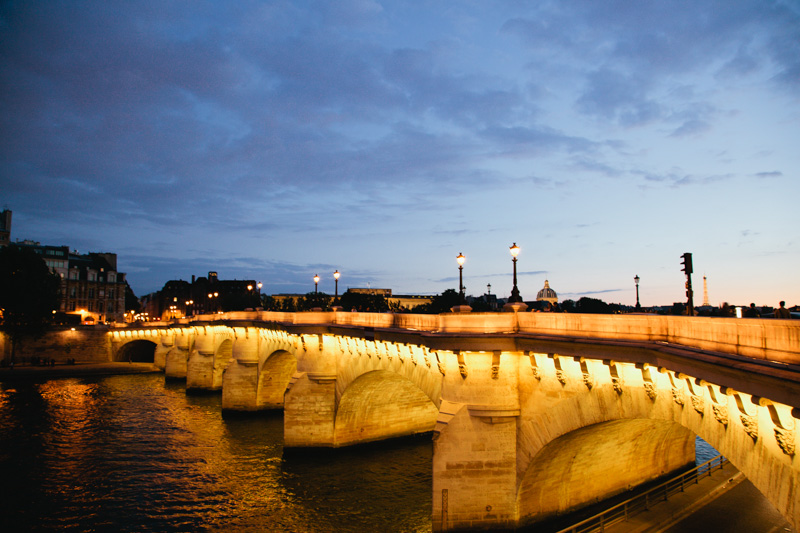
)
(533, 415)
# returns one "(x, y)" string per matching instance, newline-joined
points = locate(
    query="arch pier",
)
(526, 424)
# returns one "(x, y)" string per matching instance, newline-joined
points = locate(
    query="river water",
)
(136, 453)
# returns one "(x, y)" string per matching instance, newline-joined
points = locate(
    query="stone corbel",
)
(719, 405)
(749, 421)
(495, 364)
(321, 377)
(587, 376)
(647, 381)
(784, 430)
(462, 365)
(675, 383)
(439, 363)
(494, 414)
(561, 376)
(696, 396)
(537, 373)
(616, 378)
(427, 356)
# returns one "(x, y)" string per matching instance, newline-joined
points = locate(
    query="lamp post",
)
(460, 260)
(316, 282)
(336, 290)
(636, 279)
(515, 297)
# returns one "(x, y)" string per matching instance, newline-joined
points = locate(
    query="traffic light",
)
(687, 263)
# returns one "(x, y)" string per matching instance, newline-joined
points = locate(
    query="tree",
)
(28, 293)
(131, 301)
(315, 300)
(442, 303)
(368, 303)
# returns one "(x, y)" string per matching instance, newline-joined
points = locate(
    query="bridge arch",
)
(381, 404)
(273, 378)
(591, 444)
(136, 351)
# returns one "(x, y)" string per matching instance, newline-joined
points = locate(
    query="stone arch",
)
(382, 404)
(413, 363)
(595, 462)
(222, 357)
(137, 351)
(616, 426)
(273, 378)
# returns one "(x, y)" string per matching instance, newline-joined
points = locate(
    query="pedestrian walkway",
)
(703, 507)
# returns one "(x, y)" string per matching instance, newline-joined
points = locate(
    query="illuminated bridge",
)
(533, 415)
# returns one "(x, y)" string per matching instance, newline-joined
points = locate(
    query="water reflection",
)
(131, 453)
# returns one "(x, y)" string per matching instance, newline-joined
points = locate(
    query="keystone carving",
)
(650, 389)
(785, 441)
(534, 368)
(750, 424)
(698, 404)
(720, 413)
(441, 367)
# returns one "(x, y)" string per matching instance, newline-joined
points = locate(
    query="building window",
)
(91, 293)
(101, 293)
(73, 274)
(72, 292)
(72, 306)
(91, 306)
(111, 293)
(100, 307)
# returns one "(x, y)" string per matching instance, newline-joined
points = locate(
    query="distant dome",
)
(547, 294)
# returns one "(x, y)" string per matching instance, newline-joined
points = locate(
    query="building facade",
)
(90, 284)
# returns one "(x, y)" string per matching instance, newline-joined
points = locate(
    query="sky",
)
(277, 140)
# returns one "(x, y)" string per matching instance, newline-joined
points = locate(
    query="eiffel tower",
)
(705, 292)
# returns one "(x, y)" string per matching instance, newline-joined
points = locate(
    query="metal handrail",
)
(642, 502)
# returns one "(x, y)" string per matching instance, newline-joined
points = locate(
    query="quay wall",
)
(85, 344)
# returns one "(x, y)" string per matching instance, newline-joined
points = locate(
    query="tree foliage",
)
(368, 303)
(28, 293)
(442, 303)
(315, 300)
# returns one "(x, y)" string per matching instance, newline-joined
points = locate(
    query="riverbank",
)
(78, 369)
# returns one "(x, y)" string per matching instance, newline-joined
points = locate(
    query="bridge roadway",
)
(533, 415)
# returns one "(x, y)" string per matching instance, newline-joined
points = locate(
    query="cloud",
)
(770, 174)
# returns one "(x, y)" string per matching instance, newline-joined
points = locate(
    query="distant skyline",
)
(278, 140)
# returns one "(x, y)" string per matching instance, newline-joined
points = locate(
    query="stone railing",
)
(768, 339)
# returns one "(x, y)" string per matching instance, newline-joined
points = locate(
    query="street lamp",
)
(515, 297)
(316, 282)
(460, 260)
(336, 293)
(636, 279)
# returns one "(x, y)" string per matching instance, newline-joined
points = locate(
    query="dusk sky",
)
(276, 140)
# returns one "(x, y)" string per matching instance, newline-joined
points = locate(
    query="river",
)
(136, 453)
